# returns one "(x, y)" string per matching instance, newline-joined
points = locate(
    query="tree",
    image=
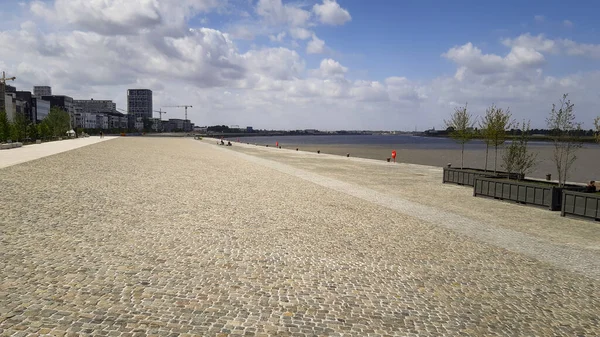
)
(4, 126)
(597, 131)
(501, 122)
(44, 130)
(462, 124)
(486, 125)
(517, 157)
(32, 132)
(19, 128)
(566, 135)
(57, 122)
(147, 122)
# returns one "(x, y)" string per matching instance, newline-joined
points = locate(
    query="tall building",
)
(139, 103)
(39, 91)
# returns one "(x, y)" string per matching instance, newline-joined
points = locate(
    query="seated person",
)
(228, 143)
(591, 187)
(222, 142)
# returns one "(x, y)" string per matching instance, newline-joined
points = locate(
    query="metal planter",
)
(466, 176)
(586, 205)
(547, 195)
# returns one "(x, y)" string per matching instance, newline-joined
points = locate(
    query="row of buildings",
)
(89, 114)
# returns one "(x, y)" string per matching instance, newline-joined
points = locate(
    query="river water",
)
(435, 151)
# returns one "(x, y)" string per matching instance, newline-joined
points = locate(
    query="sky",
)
(323, 64)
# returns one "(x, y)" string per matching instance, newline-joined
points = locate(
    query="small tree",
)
(4, 126)
(462, 124)
(44, 130)
(32, 132)
(487, 129)
(566, 135)
(517, 157)
(58, 121)
(501, 122)
(20, 128)
(597, 126)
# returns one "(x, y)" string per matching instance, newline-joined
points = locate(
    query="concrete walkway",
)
(36, 151)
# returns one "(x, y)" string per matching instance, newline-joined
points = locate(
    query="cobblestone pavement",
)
(140, 236)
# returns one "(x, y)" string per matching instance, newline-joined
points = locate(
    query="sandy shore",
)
(584, 169)
(149, 236)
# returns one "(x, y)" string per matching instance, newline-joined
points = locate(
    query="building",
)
(12, 106)
(64, 103)
(175, 124)
(39, 91)
(94, 106)
(42, 109)
(139, 103)
(87, 120)
(29, 105)
(117, 120)
(102, 121)
(249, 129)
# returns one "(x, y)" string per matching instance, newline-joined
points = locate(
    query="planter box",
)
(580, 204)
(525, 191)
(38, 141)
(11, 145)
(466, 176)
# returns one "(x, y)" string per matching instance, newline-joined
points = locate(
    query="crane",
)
(2, 88)
(4, 78)
(160, 113)
(180, 106)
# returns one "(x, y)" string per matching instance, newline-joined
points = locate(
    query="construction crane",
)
(180, 106)
(4, 78)
(160, 113)
(2, 88)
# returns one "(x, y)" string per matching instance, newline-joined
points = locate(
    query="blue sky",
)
(329, 64)
(408, 37)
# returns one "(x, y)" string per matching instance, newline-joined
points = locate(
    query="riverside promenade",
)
(178, 237)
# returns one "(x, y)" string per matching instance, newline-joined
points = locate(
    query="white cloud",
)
(272, 87)
(300, 33)
(581, 49)
(277, 38)
(539, 42)
(111, 17)
(330, 12)
(471, 58)
(562, 46)
(567, 23)
(277, 13)
(330, 69)
(315, 46)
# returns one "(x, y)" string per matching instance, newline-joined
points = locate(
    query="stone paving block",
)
(172, 237)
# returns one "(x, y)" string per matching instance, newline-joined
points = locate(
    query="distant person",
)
(222, 142)
(228, 143)
(101, 134)
(591, 187)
